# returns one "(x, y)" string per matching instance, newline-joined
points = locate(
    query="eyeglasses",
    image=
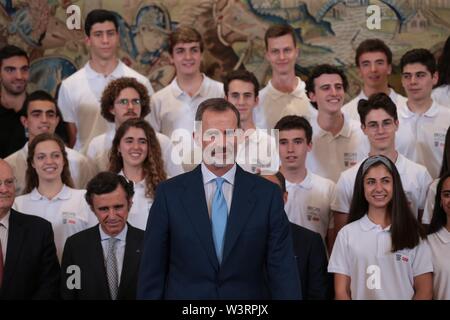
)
(8, 182)
(375, 126)
(126, 102)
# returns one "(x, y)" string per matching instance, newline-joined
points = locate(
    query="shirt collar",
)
(140, 184)
(121, 236)
(305, 184)
(298, 92)
(208, 176)
(346, 129)
(405, 112)
(392, 95)
(92, 74)
(202, 92)
(64, 194)
(5, 220)
(367, 224)
(443, 235)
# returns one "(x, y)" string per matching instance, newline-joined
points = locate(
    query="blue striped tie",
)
(219, 215)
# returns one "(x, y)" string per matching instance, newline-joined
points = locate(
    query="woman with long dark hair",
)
(439, 239)
(136, 154)
(49, 191)
(380, 253)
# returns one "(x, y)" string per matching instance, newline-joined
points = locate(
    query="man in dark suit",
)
(29, 268)
(218, 232)
(310, 254)
(103, 262)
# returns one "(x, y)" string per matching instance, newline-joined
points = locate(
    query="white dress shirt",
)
(4, 230)
(210, 186)
(120, 247)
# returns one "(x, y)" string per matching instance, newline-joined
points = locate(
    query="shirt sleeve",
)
(425, 183)
(332, 195)
(342, 196)
(340, 259)
(429, 205)
(153, 117)
(66, 104)
(422, 260)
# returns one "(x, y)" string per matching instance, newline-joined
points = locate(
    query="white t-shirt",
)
(415, 180)
(99, 147)
(81, 168)
(440, 251)
(79, 100)
(138, 214)
(441, 95)
(351, 107)
(362, 251)
(258, 151)
(429, 203)
(172, 108)
(308, 203)
(274, 105)
(421, 137)
(331, 155)
(68, 212)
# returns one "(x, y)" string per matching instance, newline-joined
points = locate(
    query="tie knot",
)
(112, 242)
(219, 182)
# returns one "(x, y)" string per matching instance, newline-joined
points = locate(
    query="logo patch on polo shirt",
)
(350, 159)
(401, 257)
(313, 214)
(439, 140)
(69, 217)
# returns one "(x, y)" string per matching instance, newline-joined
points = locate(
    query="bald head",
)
(7, 188)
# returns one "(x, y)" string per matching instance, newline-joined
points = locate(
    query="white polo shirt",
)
(362, 251)
(421, 137)
(308, 203)
(331, 155)
(258, 151)
(415, 180)
(81, 168)
(429, 203)
(138, 214)
(68, 212)
(172, 108)
(274, 105)
(441, 95)
(79, 100)
(99, 147)
(351, 107)
(440, 251)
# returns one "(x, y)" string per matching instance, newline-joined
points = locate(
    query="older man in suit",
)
(218, 232)
(105, 258)
(29, 267)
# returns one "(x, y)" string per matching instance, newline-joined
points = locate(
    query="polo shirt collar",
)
(139, 185)
(367, 224)
(92, 74)
(443, 235)
(202, 92)
(346, 129)
(298, 92)
(64, 194)
(405, 112)
(305, 184)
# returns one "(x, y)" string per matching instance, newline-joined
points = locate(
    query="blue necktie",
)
(219, 215)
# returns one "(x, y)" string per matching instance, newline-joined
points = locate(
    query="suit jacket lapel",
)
(130, 260)
(241, 207)
(194, 202)
(15, 240)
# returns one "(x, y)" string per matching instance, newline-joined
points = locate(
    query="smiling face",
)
(14, 74)
(328, 93)
(380, 129)
(242, 95)
(282, 54)
(103, 41)
(48, 161)
(293, 148)
(111, 210)
(374, 70)
(187, 57)
(133, 147)
(41, 117)
(378, 187)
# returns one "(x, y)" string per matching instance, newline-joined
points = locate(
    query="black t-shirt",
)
(12, 132)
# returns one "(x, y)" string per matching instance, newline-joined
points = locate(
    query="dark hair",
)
(99, 16)
(320, 70)
(444, 64)
(112, 91)
(446, 157)
(279, 30)
(39, 95)
(422, 56)
(295, 122)
(242, 75)
(107, 182)
(31, 177)
(373, 45)
(439, 218)
(184, 34)
(217, 105)
(10, 51)
(377, 101)
(153, 165)
(405, 229)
